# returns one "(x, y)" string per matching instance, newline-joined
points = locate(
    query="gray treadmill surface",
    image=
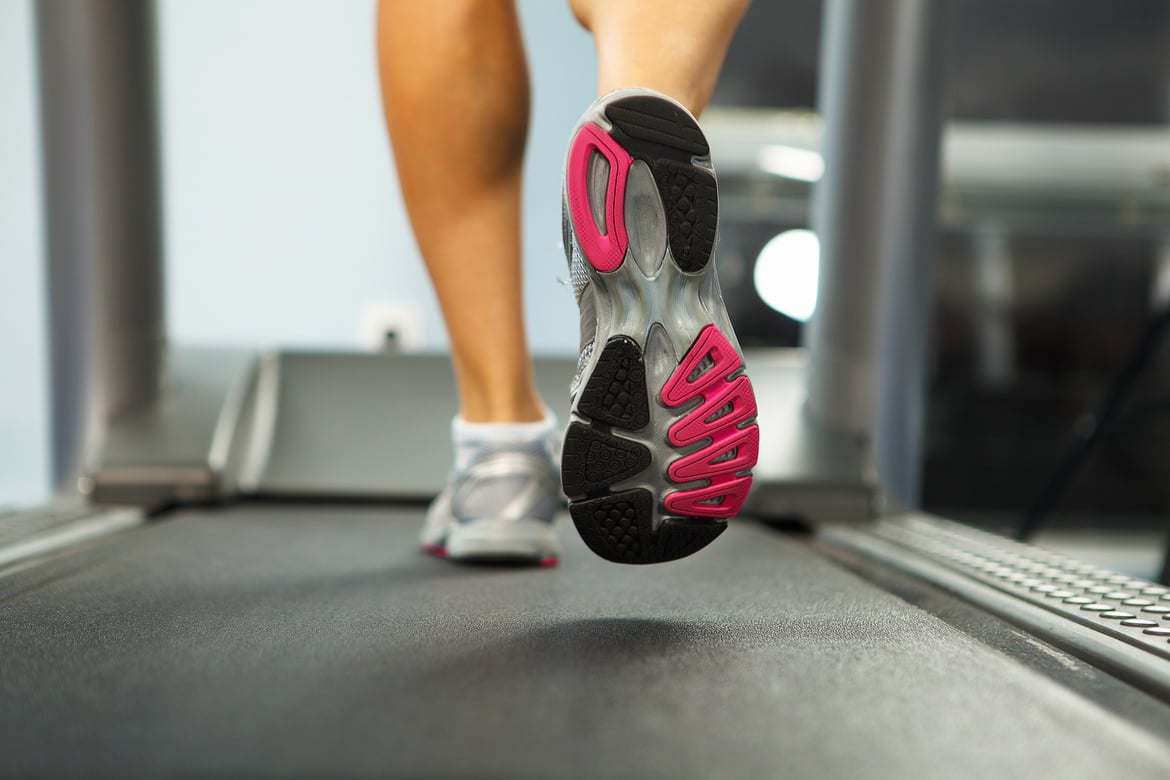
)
(317, 641)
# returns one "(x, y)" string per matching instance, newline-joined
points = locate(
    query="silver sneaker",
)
(500, 508)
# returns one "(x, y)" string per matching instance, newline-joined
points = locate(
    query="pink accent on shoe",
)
(679, 389)
(604, 251)
(731, 492)
(725, 491)
(435, 549)
(698, 465)
(697, 423)
(549, 562)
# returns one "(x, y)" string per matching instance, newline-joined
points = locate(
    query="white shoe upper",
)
(500, 502)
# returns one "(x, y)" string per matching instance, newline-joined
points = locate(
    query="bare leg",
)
(455, 92)
(673, 46)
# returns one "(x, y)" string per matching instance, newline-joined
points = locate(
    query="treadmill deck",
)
(265, 640)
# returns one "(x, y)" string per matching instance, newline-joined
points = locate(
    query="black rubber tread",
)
(651, 128)
(593, 460)
(691, 201)
(619, 528)
(616, 526)
(678, 537)
(616, 392)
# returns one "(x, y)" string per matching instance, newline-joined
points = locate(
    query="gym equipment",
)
(240, 592)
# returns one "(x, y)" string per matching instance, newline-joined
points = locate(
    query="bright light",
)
(786, 273)
(791, 162)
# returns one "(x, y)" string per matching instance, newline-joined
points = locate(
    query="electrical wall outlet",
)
(391, 326)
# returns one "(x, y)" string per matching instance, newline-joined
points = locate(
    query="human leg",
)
(455, 93)
(672, 46)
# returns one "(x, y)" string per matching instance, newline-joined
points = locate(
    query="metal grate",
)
(1134, 610)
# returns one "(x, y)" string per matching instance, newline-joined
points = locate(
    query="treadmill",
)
(235, 589)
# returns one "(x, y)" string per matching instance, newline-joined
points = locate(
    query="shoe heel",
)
(668, 139)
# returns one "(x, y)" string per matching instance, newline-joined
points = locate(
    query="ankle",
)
(526, 409)
(472, 438)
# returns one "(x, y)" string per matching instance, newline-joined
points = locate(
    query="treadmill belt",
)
(311, 641)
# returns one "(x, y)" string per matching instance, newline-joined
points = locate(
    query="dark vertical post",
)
(881, 100)
(99, 126)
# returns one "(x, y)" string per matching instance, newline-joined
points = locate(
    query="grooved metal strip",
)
(1133, 610)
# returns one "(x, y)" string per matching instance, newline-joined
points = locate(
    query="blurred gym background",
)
(1053, 252)
(283, 223)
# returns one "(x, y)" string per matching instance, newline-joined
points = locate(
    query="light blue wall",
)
(283, 216)
(24, 470)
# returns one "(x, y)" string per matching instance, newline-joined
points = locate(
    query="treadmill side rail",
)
(176, 450)
(1113, 621)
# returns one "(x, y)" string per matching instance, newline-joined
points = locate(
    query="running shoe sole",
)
(662, 436)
